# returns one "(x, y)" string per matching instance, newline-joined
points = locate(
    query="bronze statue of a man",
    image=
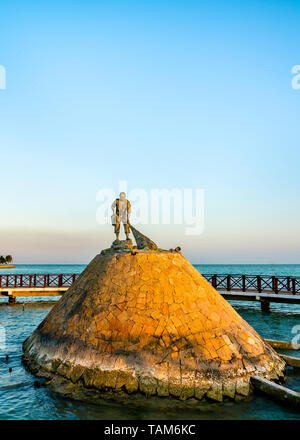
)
(121, 209)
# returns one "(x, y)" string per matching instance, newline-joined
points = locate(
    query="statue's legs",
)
(117, 228)
(127, 230)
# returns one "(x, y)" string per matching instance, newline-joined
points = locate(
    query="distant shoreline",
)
(7, 266)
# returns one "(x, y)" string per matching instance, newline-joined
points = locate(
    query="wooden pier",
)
(262, 288)
(13, 286)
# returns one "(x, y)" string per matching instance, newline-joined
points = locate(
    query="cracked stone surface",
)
(149, 324)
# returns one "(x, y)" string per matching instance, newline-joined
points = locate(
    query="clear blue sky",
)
(163, 94)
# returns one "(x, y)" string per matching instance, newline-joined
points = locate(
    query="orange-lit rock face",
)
(150, 323)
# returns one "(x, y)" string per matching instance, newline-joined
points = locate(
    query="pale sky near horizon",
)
(181, 94)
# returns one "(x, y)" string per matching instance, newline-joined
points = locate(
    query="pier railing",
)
(255, 283)
(37, 280)
(239, 283)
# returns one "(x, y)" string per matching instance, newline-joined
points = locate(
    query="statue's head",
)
(122, 196)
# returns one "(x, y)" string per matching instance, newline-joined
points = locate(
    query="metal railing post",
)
(294, 286)
(275, 284)
(259, 283)
(244, 283)
(228, 282)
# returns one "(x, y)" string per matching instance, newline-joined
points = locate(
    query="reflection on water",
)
(19, 399)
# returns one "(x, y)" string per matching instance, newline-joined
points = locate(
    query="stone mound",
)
(149, 323)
